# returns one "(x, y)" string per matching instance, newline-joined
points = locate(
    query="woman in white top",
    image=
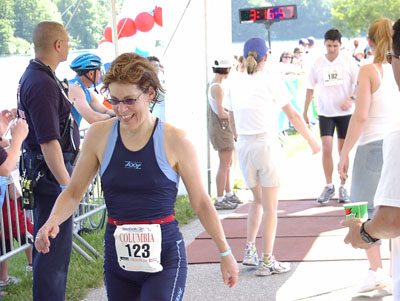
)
(220, 134)
(286, 66)
(254, 109)
(376, 99)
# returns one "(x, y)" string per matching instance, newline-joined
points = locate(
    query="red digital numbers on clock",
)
(272, 14)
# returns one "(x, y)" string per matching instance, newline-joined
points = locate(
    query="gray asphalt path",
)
(326, 280)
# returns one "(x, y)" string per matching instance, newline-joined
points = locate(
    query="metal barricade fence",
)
(90, 215)
(12, 227)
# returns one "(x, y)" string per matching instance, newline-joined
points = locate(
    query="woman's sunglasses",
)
(129, 101)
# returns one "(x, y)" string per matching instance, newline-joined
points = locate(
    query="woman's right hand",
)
(42, 242)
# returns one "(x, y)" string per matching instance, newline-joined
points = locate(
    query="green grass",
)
(293, 142)
(183, 210)
(82, 275)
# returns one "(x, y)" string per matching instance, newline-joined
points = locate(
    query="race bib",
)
(333, 76)
(139, 247)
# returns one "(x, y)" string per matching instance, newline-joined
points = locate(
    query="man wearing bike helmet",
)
(87, 103)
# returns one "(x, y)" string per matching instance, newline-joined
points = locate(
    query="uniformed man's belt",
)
(66, 156)
(164, 220)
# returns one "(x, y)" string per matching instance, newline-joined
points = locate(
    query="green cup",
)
(356, 210)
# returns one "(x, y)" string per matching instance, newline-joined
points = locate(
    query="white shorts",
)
(260, 159)
(388, 194)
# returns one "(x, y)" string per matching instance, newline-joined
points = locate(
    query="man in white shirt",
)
(386, 220)
(335, 75)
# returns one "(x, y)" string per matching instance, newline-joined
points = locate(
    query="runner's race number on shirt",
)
(333, 76)
(139, 247)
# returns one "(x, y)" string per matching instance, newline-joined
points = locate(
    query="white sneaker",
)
(10, 280)
(374, 280)
(275, 267)
(250, 257)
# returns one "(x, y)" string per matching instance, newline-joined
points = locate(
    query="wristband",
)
(226, 253)
(353, 97)
(63, 187)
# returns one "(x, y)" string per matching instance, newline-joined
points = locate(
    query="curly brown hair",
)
(131, 68)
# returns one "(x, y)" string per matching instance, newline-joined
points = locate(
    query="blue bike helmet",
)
(85, 62)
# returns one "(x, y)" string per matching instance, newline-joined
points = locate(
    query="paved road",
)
(328, 280)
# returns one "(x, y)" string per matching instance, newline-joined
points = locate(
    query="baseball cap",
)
(303, 41)
(222, 63)
(311, 40)
(255, 44)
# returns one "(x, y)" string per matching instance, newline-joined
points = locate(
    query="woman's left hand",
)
(229, 270)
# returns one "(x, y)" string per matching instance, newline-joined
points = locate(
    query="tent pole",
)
(114, 28)
(73, 14)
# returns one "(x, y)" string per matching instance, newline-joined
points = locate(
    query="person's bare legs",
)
(263, 212)
(4, 270)
(28, 253)
(327, 160)
(225, 162)
(340, 146)
(228, 179)
(255, 214)
(270, 217)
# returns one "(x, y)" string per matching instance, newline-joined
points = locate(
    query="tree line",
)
(315, 17)
(19, 17)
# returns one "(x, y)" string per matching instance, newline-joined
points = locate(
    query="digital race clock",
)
(270, 14)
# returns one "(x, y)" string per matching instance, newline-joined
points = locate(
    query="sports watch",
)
(365, 236)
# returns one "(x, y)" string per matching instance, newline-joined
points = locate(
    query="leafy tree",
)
(87, 25)
(313, 19)
(354, 17)
(6, 25)
(30, 12)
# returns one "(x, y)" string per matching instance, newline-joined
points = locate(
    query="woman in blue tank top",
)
(141, 159)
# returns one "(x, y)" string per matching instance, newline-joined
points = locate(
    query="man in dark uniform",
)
(43, 103)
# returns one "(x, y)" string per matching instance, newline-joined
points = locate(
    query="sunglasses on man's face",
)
(286, 57)
(390, 56)
(129, 101)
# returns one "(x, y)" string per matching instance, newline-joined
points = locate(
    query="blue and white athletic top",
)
(138, 185)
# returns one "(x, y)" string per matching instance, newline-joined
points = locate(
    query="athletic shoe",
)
(343, 196)
(224, 205)
(374, 280)
(275, 267)
(250, 257)
(10, 280)
(29, 268)
(233, 199)
(326, 194)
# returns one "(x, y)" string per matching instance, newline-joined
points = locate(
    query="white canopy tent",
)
(196, 32)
